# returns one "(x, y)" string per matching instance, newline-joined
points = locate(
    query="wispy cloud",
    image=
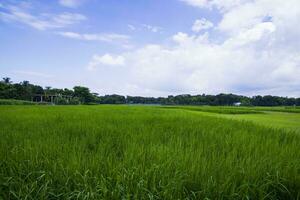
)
(120, 39)
(43, 21)
(71, 3)
(151, 28)
(224, 5)
(131, 27)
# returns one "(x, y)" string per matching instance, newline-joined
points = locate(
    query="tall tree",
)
(6, 80)
(83, 93)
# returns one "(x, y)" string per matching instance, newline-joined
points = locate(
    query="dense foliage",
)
(79, 94)
(15, 102)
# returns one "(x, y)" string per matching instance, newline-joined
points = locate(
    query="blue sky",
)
(153, 47)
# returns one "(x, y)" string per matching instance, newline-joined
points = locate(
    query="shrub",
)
(15, 102)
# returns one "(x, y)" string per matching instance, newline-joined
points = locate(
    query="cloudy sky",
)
(154, 47)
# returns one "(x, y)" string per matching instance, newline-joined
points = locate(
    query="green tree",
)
(7, 80)
(61, 101)
(83, 93)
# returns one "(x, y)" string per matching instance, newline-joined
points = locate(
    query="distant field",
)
(145, 152)
(288, 121)
(236, 110)
(274, 117)
(217, 109)
(290, 109)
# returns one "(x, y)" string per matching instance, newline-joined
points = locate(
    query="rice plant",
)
(137, 152)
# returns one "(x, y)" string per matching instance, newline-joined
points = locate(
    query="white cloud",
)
(105, 60)
(147, 27)
(259, 54)
(202, 24)
(131, 27)
(44, 21)
(71, 3)
(183, 39)
(222, 5)
(72, 35)
(197, 3)
(104, 37)
(254, 34)
(113, 38)
(151, 28)
(65, 19)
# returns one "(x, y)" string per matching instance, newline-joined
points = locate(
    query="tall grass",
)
(127, 152)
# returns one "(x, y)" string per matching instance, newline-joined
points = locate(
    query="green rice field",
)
(149, 152)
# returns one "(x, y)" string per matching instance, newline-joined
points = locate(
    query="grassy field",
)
(287, 118)
(217, 109)
(236, 110)
(287, 121)
(144, 152)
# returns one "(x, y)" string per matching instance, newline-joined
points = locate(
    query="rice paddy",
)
(147, 152)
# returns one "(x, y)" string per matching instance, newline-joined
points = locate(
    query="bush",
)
(61, 101)
(15, 102)
(74, 101)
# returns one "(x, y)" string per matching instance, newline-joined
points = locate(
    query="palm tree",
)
(25, 83)
(47, 90)
(6, 80)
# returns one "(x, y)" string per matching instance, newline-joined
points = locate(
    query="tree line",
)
(82, 95)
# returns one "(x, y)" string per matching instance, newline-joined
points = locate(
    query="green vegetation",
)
(286, 118)
(83, 95)
(290, 109)
(143, 152)
(237, 109)
(217, 109)
(288, 121)
(275, 117)
(15, 102)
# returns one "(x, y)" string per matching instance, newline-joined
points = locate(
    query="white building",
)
(237, 103)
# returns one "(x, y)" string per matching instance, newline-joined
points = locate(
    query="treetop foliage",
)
(82, 95)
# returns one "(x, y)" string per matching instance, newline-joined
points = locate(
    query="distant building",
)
(237, 103)
(49, 98)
